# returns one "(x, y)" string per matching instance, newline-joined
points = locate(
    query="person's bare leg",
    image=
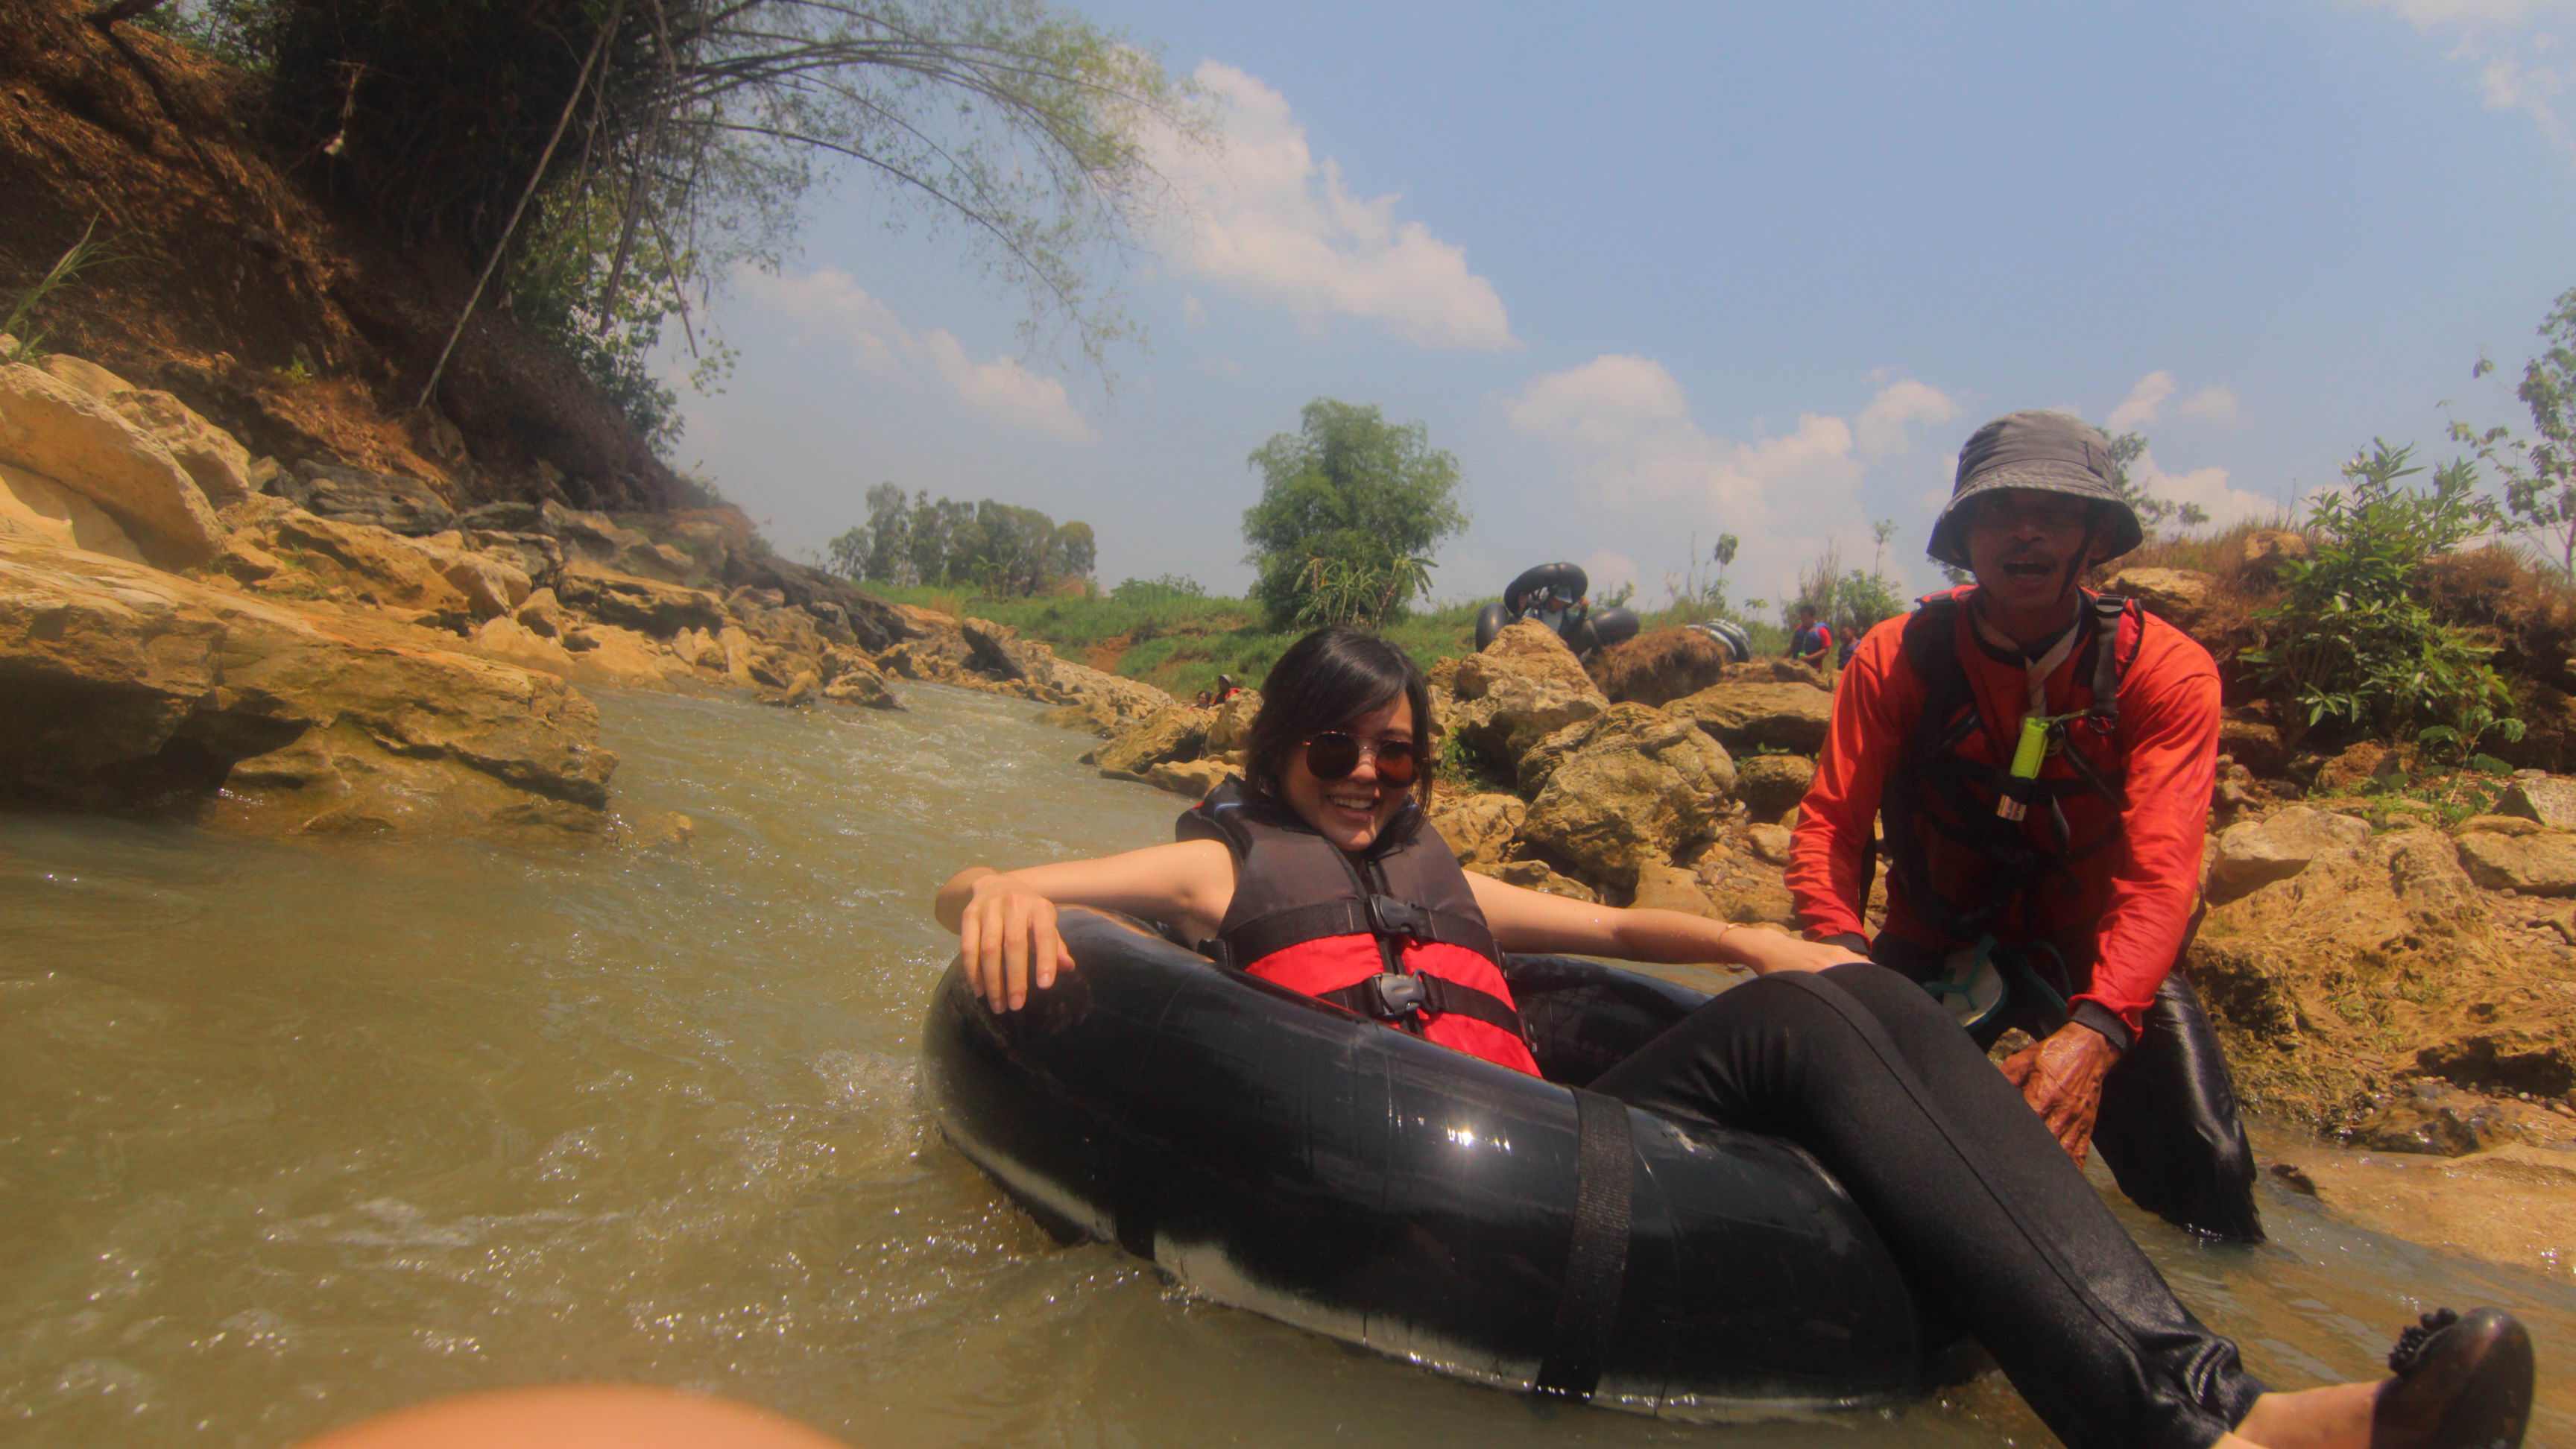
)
(2337, 1417)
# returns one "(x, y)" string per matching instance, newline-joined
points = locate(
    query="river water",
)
(295, 1133)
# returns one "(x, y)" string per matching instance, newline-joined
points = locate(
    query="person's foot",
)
(2462, 1383)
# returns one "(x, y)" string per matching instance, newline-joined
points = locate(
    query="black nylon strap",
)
(1596, 1250)
(1255, 939)
(1441, 997)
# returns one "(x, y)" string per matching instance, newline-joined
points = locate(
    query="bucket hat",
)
(2050, 452)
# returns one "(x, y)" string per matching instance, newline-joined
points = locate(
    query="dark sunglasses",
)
(1334, 754)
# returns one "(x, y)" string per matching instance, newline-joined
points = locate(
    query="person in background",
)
(1813, 644)
(2037, 760)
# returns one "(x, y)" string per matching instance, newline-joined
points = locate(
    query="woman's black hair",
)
(1326, 680)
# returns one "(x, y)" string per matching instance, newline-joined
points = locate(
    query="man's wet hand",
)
(2061, 1079)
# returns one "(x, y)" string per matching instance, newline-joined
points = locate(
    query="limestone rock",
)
(512, 642)
(1754, 898)
(348, 562)
(1638, 786)
(1534, 875)
(1748, 717)
(1671, 888)
(492, 587)
(1090, 716)
(506, 516)
(2180, 597)
(1775, 670)
(2266, 549)
(126, 688)
(863, 687)
(214, 458)
(1658, 666)
(2437, 1118)
(2549, 799)
(608, 654)
(1769, 784)
(2500, 825)
(1771, 843)
(36, 507)
(1233, 728)
(1194, 778)
(2542, 864)
(541, 612)
(648, 606)
(1479, 828)
(50, 428)
(2253, 854)
(1174, 734)
(1521, 688)
(379, 500)
(2252, 742)
(87, 376)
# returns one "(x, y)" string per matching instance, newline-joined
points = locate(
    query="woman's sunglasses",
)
(1334, 754)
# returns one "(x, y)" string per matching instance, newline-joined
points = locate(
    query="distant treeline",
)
(1003, 551)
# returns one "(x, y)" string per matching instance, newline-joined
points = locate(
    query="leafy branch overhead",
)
(664, 142)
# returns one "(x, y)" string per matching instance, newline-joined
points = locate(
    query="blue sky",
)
(1658, 272)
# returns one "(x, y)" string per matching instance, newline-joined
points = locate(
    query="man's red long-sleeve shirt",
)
(2133, 898)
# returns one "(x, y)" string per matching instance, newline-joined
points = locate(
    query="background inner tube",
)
(1565, 578)
(1287, 1157)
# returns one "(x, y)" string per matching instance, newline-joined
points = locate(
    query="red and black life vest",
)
(1961, 865)
(1393, 933)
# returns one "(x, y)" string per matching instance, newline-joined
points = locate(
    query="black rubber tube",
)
(1286, 1157)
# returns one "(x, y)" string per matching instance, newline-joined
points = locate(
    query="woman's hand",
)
(1007, 938)
(1767, 950)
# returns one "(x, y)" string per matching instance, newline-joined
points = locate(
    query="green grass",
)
(1178, 644)
(1181, 644)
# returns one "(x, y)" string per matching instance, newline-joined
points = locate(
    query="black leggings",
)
(1986, 1214)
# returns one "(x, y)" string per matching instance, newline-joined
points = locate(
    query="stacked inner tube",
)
(1583, 629)
(1290, 1158)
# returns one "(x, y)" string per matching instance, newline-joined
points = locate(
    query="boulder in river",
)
(648, 606)
(1173, 734)
(123, 688)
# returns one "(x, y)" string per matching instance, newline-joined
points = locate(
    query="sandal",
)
(2462, 1383)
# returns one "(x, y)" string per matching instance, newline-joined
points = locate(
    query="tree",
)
(1001, 549)
(2152, 511)
(2540, 475)
(1351, 507)
(613, 159)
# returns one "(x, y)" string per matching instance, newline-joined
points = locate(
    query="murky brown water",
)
(291, 1134)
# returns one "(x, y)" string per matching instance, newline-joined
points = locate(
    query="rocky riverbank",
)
(313, 647)
(2387, 981)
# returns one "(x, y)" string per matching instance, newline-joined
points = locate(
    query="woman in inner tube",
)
(1847, 1059)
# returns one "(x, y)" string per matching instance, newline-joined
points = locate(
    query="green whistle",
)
(2033, 747)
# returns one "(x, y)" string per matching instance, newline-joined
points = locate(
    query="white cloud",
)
(1622, 425)
(829, 301)
(2145, 405)
(2213, 404)
(1606, 569)
(1193, 311)
(2522, 64)
(2209, 487)
(1884, 427)
(1263, 216)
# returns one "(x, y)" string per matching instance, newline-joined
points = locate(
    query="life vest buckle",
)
(1392, 997)
(1391, 917)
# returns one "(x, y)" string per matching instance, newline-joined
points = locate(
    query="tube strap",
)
(1596, 1251)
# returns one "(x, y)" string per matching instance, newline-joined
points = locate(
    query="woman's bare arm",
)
(1527, 920)
(1006, 920)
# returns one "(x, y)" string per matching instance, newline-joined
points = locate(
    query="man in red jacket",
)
(2040, 761)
